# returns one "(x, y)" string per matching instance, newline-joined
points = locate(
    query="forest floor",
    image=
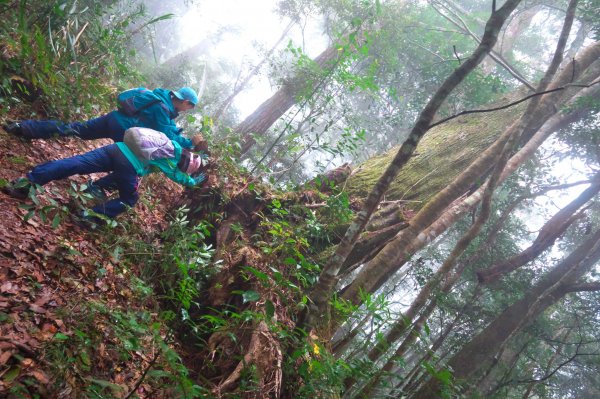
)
(62, 287)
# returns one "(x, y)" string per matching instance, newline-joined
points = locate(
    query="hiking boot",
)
(14, 128)
(18, 189)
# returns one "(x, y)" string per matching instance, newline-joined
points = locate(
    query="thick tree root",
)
(265, 355)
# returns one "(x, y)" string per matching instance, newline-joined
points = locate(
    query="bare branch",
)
(492, 54)
(512, 104)
(591, 286)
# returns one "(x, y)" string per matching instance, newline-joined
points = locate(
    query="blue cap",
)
(187, 93)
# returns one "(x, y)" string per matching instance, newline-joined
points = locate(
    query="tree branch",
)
(591, 286)
(317, 312)
(512, 104)
(492, 54)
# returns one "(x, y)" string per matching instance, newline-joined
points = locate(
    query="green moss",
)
(441, 155)
(323, 257)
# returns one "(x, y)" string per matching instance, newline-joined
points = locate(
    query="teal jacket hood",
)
(165, 96)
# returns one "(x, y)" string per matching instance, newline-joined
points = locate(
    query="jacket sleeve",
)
(169, 168)
(158, 119)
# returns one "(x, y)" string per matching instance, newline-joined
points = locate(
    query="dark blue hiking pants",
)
(105, 126)
(104, 159)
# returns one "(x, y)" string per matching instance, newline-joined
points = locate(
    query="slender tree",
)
(479, 353)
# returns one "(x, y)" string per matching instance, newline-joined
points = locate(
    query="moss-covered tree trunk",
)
(398, 251)
(317, 311)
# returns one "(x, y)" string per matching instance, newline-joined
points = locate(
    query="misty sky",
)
(250, 24)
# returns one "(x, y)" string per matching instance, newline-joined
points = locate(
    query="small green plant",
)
(49, 210)
(289, 242)
(318, 373)
(104, 335)
(17, 160)
(191, 256)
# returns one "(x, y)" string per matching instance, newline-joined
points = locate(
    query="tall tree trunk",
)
(479, 353)
(242, 85)
(443, 273)
(198, 49)
(506, 362)
(448, 284)
(319, 298)
(279, 103)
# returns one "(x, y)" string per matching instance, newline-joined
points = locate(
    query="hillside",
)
(62, 287)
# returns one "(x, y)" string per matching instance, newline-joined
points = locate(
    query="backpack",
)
(148, 144)
(132, 102)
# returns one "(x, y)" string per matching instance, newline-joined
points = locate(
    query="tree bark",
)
(279, 103)
(193, 52)
(241, 86)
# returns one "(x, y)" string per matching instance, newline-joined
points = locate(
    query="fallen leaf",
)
(8, 288)
(43, 300)
(33, 223)
(39, 277)
(47, 327)
(36, 308)
(4, 356)
(40, 376)
(6, 345)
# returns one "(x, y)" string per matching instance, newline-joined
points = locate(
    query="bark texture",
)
(479, 353)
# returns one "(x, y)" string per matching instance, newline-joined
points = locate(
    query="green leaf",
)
(11, 374)
(250, 296)
(29, 215)
(258, 274)
(269, 309)
(106, 384)
(60, 337)
(445, 376)
(85, 358)
(158, 373)
(55, 221)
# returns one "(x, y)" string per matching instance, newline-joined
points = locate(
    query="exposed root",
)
(265, 354)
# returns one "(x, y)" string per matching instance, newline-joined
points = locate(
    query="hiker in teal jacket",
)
(125, 169)
(163, 107)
